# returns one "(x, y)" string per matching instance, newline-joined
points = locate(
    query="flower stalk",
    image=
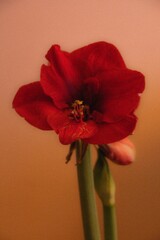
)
(86, 191)
(110, 225)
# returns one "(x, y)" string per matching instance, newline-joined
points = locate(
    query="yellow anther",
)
(77, 102)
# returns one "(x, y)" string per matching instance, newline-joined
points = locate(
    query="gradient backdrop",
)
(38, 191)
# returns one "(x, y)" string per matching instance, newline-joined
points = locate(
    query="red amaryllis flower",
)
(87, 94)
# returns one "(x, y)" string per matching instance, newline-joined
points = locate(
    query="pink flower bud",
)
(121, 152)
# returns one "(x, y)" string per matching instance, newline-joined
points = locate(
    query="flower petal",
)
(122, 152)
(53, 85)
(31, 103)
(116, 109)
(62, 64)
(58, 119)
(109, 97)
(75, 131)
(116, 82)
(98, 56)
(60, 79)
(112, 132)
(91, 91)
(68, 129)
(118, 93)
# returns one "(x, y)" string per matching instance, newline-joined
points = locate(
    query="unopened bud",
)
(103, 180)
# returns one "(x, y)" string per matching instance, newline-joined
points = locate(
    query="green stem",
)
(87, 197)
(110, 227)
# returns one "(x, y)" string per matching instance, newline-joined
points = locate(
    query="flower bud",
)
(121, 152)
(104, 183)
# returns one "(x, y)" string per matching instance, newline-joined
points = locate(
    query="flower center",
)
(80, 112)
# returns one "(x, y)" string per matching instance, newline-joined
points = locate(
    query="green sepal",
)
(103, 181)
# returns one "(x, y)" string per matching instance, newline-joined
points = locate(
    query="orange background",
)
(38, 191)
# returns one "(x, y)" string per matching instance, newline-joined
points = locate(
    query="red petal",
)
(118, 93)
(112, 132)
(59, 119)
(53, 85)
(122, 152)
(75, 131)
(116, 82)
(98, 56)
(91, 90)
(60, 76)
(116, 109)
(112, 95)
(69, 130)
(31, 103)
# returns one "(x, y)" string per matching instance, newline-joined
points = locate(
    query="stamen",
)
(80, 112)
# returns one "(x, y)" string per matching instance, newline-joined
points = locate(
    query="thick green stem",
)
(87, 197)
(110, 227)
